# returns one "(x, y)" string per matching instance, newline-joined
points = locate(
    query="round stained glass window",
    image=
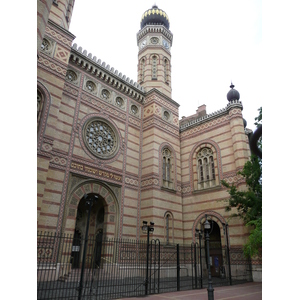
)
(100, 138)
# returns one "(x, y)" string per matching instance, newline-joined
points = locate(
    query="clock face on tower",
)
(143, 44)
(166, 44)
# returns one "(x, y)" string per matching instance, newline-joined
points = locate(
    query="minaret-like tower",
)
(160, 156)
(154, 58)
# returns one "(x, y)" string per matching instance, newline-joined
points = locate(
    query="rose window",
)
(100, 138)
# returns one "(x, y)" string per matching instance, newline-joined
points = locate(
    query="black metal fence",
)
(116, 268)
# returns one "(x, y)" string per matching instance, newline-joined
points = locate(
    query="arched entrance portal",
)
(215, 249)
(217, 242)
(96, 229)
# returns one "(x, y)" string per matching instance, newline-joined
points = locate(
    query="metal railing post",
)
(178, 269)
(195, 265)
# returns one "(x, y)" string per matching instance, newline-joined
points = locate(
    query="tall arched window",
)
(167, 168)
(143, 69)
(206, 168)
(168, 227)
(40, 104)
(166, 70)
(154, 67)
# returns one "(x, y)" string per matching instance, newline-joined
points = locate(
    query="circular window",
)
(45, 45)
(119, 101)
(105, 94)
(134, 109)
(100, 138)
(71, 76)
(90, 86)
(166, 115)
(154, 40)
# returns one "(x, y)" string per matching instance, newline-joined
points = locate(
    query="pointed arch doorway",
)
(96, 229)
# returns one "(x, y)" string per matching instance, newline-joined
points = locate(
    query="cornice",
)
(224, 111)
(106, 73)
(156, 91)
(155, 29)
(61, 29)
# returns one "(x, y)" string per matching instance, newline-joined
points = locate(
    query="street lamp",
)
(89, 201)
(199, 232)
(210, 290)
(147, 229)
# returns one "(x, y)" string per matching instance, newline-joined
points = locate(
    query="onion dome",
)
(233, 94)
(155, 16)
(245, 123)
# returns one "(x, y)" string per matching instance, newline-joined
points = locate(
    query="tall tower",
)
(154, 58)
(161, 174)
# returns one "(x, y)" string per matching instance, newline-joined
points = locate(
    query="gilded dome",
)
(155, 16)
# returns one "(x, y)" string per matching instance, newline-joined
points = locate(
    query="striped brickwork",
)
(130, 184)
(43, 11)
(158, 132)
(61, 13)
(224, 134)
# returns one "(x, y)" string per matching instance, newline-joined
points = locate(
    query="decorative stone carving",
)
(100, 138)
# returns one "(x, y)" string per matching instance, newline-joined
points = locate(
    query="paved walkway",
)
(246, 291)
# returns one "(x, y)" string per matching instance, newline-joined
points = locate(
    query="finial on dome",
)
(233, 94)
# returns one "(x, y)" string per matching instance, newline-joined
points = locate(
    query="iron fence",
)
(116, 268)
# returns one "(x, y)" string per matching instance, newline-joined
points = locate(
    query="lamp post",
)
(210, 290)
(199, 231)
(89, 201)
(147, 228)
(228, 254)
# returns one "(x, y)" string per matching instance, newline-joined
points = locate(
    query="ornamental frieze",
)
(84, 169)
(70, 90)
(161, 125)
(150, 181)
(58, 37)
(204, 126)
(47, 63)
(103, 106)
(162, 102)
(131, 181)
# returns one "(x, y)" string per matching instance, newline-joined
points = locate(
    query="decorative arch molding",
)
(45, 111)
(193, 161)
(161, 147)
(219, 219)
(105, 192)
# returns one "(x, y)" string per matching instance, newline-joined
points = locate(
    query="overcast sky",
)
(214, 42)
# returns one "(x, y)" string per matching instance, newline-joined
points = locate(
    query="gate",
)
(116, 268)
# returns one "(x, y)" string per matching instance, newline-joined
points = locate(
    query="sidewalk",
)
(246, 291)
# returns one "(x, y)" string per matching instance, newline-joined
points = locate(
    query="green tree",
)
(248, 203)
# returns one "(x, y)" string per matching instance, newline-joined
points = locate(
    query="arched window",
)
(166, 70)
(167, 168)
(40, 104)
(206, 168)
(154, 67)
(143, 70)
(168, 227)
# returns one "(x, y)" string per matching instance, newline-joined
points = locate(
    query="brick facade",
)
(76, 88)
